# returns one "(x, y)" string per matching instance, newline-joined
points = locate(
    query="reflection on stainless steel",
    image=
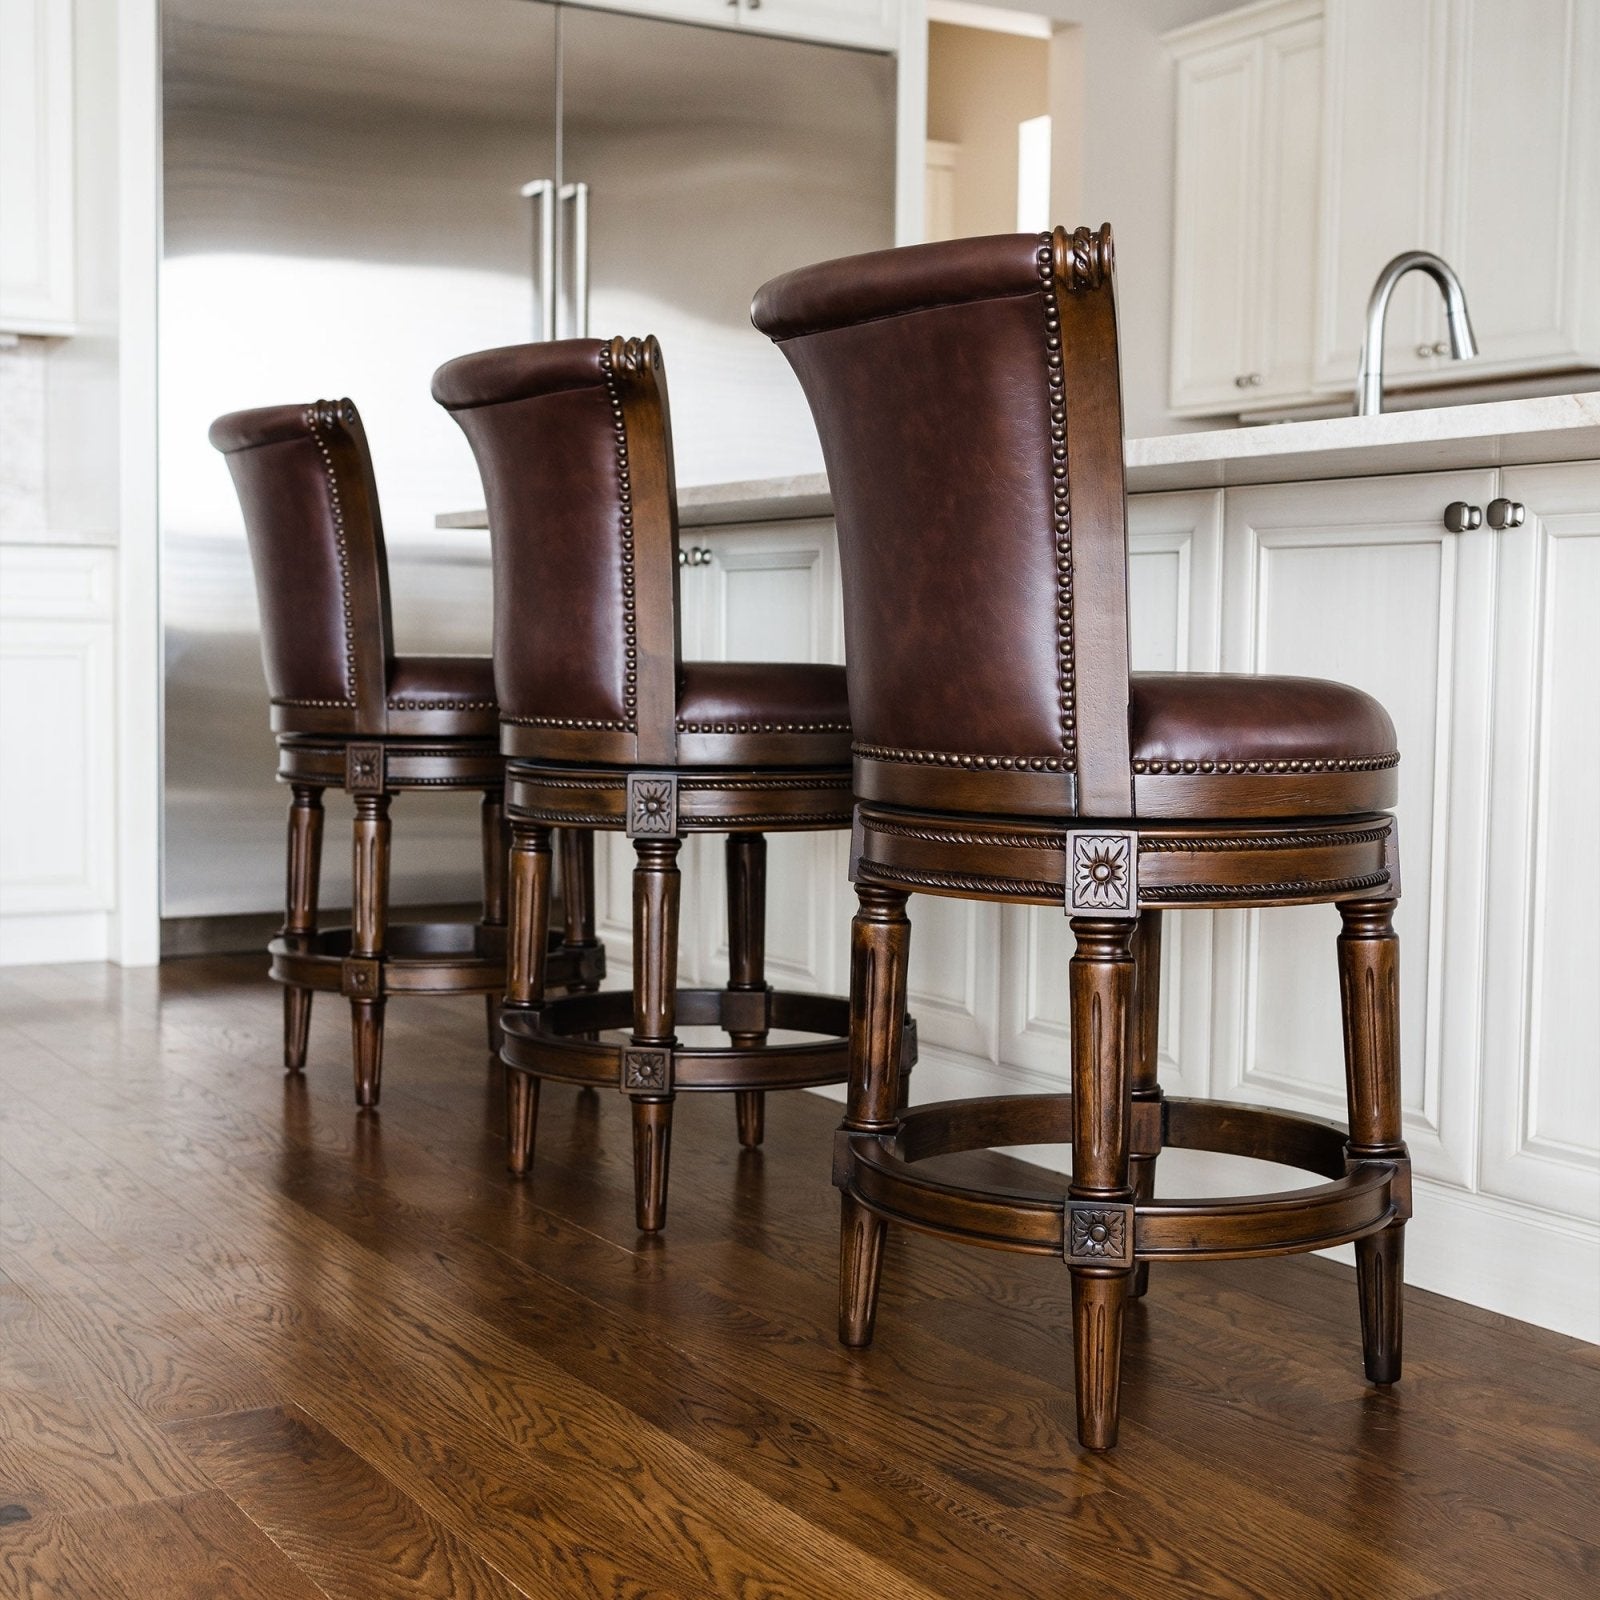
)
(1369, 375)
(345, 210)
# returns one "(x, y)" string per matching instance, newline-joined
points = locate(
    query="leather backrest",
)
(305, 484)
(968, 401)
(573, 442)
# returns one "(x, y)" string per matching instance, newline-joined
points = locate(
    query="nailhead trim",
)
(956, 758)
(1301, 764)
(763, 727)
(441, 705)
(600, 724)
(1061, 509)
(332, 705)
(322, 414)
(630, 621)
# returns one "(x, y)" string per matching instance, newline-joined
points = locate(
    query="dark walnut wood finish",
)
(351, 715)
(967, 397)
(614, 730)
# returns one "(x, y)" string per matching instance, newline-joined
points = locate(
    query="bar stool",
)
(967, 396)
(607, 727)
(350, 714)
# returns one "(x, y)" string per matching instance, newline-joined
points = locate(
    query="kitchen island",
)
(1446, 561)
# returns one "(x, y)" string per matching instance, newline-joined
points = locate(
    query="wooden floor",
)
(256, 1344)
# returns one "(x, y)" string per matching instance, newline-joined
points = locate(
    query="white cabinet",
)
(1540, 1138)
(36, 167)
(1362, 582)
(866, 24)
(1244, 249)
(1466, 127)
(57, 720)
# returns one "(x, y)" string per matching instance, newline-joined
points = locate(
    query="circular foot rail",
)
(558, 1040)
(1360, 1197)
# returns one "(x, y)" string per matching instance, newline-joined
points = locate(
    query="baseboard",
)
(44, 938)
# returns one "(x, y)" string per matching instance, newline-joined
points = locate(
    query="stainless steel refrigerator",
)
(356, 190)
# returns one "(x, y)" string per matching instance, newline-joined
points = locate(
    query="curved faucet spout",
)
(1369, 377)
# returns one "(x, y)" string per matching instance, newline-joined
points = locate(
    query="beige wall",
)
(980, 86)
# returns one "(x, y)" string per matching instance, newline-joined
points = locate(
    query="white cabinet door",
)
(1214, 227)
(869, 24)
(36, 167)
(1464, 127)
(1540, 1141)
(1249, 124)
(1360, 581)
(1519, 208)
(1174, 578)
(57, 705)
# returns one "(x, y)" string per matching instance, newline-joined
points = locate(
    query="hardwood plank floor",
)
(256, 1344)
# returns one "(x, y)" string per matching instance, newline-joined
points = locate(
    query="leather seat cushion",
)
(773, 712)
(443, 697)
(1175, 718)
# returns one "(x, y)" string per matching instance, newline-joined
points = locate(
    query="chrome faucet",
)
(1369, 376)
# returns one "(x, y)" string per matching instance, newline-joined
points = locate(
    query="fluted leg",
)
(577, 894)
(1145, 1058)
(496, 855)
(1369, 988)
(1102, 986)
(300, 912)
(747, 957)
(880, 948)
(647, 1059)
(526, 938)
(370, 915)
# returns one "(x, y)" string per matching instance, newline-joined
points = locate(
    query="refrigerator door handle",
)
(544, 191)
(578, 194)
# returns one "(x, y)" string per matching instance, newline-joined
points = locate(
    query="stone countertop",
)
(1499, 433)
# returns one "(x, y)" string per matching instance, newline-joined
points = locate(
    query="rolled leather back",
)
(967, 396)
(304, 478)
(573, 442)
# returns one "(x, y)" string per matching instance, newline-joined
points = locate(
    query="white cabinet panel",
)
(36, 167)
(56, 706)
(1541, 1121)
(1249, 140)
(1360, 581)
(1215, 236)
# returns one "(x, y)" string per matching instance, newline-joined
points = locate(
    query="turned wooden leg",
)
(526, 937)
(577, 895)
(1145, 1048)
(647, 1057)
(880, 947)
(370, 915)
(496, 853)
(747, 959)
(1099, 1228)
(1369, 988)
(300, 912)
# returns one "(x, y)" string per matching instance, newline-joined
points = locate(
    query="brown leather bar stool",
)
(967, 395)
(350, 714)
(607, 727)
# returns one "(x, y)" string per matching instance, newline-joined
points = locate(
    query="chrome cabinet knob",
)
(1424, 350)
(1255, 380)
(1459, 517)
(1241, 381)
(695, 556)
(1440, 348)
(1507, 513)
